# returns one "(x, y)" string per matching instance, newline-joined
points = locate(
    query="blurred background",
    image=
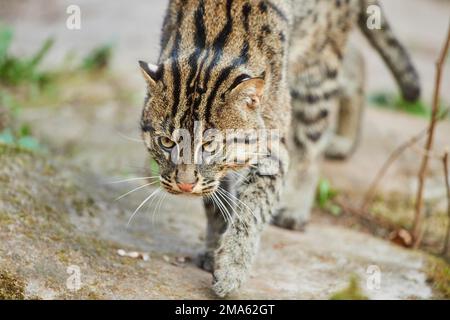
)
(70, 102)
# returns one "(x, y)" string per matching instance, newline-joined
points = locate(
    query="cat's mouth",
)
(190, 189)
(201, 193)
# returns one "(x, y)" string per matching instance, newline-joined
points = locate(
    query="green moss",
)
(93, 296)
(63, 256)
(438, 272)
(11, 287)
(352, 292)
(9, 149)
(38, 212)
(5, 219)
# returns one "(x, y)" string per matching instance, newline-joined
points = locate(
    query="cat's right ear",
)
(251, 90)
(151, 72)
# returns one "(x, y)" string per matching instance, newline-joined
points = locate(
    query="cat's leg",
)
(216, 225)
(257, 196)
(351, 105)
(315, 93)
(298, 197)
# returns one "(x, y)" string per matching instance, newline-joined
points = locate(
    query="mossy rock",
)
(4, 118)
(352, 292)
(11, 286)
(438, 271)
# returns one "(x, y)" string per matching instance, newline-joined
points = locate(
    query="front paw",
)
(205, 261)
(227, 280)
(230, 270)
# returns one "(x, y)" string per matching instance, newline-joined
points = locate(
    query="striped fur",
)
(253, 65)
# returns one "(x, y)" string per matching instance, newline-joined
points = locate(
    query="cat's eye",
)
(210, 146)
(166, 143)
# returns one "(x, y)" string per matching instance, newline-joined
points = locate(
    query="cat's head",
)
(197, 134)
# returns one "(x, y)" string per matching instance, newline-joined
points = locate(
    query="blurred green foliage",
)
(394, 102)
(98, 59)
(23, 83)
(14, 70)
(154, 168)
(9, 102)
(22, 138)
(324, 198)
(438, 274)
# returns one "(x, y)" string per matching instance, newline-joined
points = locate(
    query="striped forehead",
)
(198, 64)
(197, 90)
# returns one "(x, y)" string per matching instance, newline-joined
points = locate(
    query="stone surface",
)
(54, 217)
(60, 212)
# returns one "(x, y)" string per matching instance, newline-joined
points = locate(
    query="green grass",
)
(394, 102)
(98, 59)
(24, 79)
(19, 70)
(325, 195)
(14, 70)
(25, 83)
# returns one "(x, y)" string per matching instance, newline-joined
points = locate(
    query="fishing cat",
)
(257, 65)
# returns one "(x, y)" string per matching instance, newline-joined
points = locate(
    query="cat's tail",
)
(392, 51)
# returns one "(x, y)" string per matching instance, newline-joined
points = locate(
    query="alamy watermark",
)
(73, 282)
(230, 147)
(374, 17)
(73, 21)
(373, 280)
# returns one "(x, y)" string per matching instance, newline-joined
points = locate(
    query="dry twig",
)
(447, 184)
(371, 191)
(417, 224)
(370, 194)
(379, 221)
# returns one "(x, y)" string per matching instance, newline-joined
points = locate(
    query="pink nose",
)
(186, 187)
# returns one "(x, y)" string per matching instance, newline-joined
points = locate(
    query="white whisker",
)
(239, 206)
(135, 189)
(158, 206)
(232, 203)
(239, 175)
(224, 208)
(142, 203)
(129, 138)
(133, 179)
(240, 201)
(216, 204)
(149, 206)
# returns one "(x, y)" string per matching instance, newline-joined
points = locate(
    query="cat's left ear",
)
(151, 72)
(251, 91)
